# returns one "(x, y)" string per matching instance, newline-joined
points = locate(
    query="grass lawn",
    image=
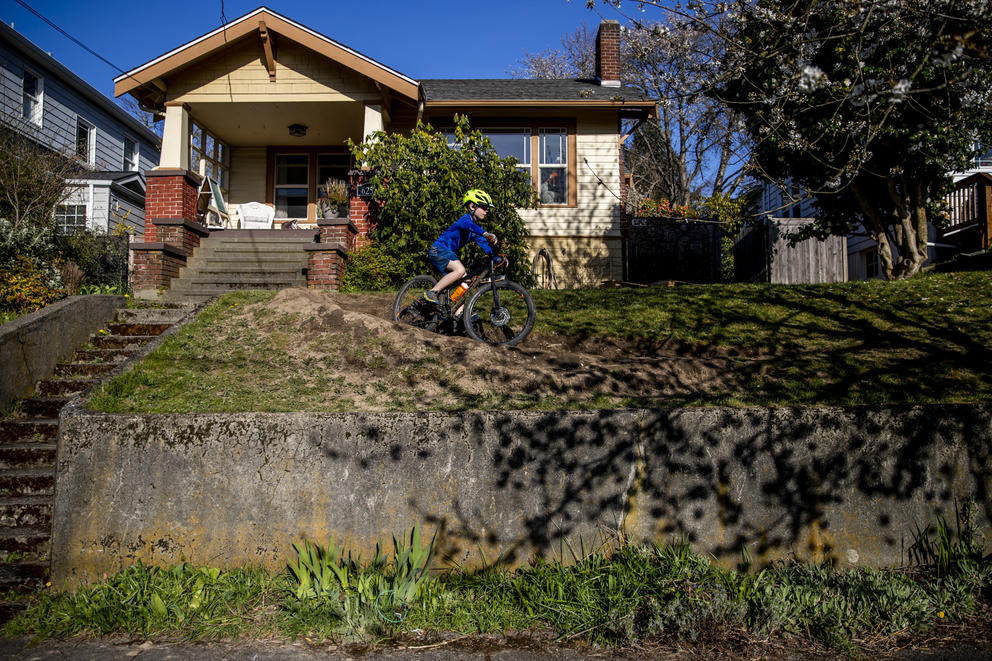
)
(928, 339)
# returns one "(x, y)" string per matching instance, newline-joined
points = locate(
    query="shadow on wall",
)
(843, 485)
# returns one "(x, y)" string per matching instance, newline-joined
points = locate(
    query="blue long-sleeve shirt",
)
(455, 237)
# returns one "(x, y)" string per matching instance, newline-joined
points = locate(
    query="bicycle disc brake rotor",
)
(499, 316)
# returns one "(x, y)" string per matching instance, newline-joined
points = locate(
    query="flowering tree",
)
(869, 106)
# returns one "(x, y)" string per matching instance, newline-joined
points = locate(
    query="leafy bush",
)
(373, 268)
(35, 242)
(418, 185)
(101, 256)
(24, 287)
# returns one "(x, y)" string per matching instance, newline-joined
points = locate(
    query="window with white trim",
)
(70, 217)
(31, 97)
(209, 157)
(84, 140)
(552, 176)
(553, 166)
(292, 180)
(130, 161)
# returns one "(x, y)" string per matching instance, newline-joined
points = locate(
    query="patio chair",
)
(256, 216)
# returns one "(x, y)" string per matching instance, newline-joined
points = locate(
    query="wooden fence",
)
(763, 253)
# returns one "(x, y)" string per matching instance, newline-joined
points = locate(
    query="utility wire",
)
(70, 37)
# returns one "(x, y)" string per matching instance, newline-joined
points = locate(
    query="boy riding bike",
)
(443, 254)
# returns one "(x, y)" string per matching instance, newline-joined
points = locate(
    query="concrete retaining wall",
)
(31, 346)
(848, 485)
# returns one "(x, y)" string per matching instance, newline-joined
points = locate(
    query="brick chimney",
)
(608, 54)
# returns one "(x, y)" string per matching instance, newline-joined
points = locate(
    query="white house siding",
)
(584, 241)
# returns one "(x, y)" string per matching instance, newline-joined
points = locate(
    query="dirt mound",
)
(382, 365)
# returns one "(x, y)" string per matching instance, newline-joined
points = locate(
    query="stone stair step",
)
(43, 407)
(26, 511)
(151, 315)
(110, 356)
(27, 454)
(118, 328)
(64, 387)
(238, 268)
(16, 429)
(25, 573)
(122, 341)
(26, 539)
(82, 369)
(15, 482)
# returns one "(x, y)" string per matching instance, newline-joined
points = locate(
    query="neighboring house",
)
(48, 103)
(263, 106)
(969, 230)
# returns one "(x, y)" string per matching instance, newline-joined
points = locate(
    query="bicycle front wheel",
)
(507, 322)
(407, 308)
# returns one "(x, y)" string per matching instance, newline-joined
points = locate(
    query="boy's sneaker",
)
(430, 296)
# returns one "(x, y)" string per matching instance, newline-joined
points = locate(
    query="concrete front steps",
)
(29, 435)
(243, 259)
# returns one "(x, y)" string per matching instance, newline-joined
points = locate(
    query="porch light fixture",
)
(298, 130)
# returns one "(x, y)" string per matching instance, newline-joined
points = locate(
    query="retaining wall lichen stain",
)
(229, 490)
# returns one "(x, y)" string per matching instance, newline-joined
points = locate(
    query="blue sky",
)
(425, 39)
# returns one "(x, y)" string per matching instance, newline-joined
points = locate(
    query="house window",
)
(984, 157)
(70, 217)
(210, 157)
(130, 155)
(553, 176)
(553, 166)
(84, 140)
(292, 185)
(873, 268)
(31, 98)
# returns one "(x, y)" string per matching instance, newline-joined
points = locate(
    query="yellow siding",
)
(240, 75)
(598, 210)
(581, 261)
(247, 175)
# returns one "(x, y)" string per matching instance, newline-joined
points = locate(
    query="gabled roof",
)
(74, 82)
(530, 92)
(261, 20)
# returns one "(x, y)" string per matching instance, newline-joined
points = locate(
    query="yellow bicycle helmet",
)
(477, 196)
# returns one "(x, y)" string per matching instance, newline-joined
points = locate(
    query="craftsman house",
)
(45, 102)
(262, 107)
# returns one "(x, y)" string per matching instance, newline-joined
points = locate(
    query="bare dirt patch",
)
(356, 343)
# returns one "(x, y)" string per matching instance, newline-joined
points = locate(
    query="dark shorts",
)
(439, 258)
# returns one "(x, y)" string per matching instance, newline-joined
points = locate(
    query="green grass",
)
(625, 596)
(928, 339)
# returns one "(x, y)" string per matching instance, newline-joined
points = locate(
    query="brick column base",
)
(155, 265)
(325, 265)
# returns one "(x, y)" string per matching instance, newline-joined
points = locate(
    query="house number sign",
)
(364, 190)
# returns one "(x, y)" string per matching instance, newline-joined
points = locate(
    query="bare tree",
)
(575, 59)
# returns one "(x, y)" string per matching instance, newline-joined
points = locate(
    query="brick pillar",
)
(608, 54)
(326, 259)
(172, 230)
(361, 215)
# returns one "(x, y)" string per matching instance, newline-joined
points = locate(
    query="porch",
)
(970, 204)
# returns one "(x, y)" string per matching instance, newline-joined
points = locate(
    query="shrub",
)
(25, 288)
(419, 181)
(102, 257)
(372, 268)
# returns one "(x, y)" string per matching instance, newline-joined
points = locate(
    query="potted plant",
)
(334, 202)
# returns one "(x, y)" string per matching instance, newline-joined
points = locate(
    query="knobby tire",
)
(407, 308)
(508, 324)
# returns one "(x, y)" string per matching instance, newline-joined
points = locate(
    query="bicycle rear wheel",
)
(507, 323)
(407, 308)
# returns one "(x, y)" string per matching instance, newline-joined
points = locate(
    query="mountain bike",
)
(483, 304)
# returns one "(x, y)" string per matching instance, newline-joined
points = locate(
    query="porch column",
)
(373, 120)
(175, 137)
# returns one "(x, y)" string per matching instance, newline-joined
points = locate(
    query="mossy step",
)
(118, 328)
(17, 482)
(25, 573)
(82, 369)
(26, 511)
(15, 429)
(64, 387)
(43, 407)
(111, 356)
(27, 455)
(31, 539)
(122, 341)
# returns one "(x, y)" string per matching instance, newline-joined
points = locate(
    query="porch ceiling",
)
(251, 124)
